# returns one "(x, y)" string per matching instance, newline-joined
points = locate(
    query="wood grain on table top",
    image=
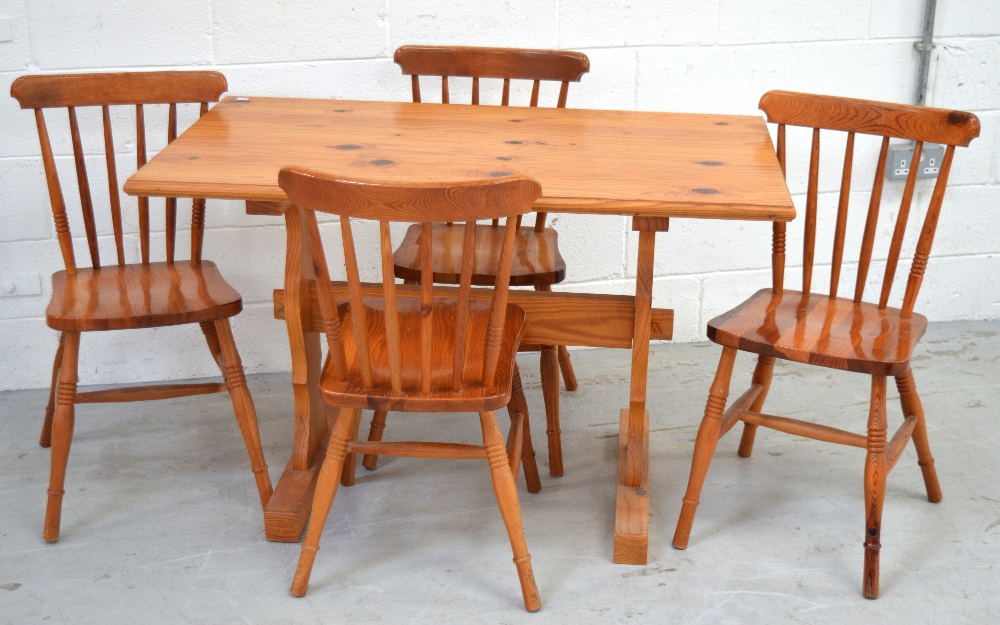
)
(588, 161)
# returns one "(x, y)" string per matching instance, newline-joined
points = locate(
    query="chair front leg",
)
(704, 446)
(326, 489)
(876, 468)
(911, 406)
(350, 461)
(510, 507)
(246, 414)
(761, 375)
(62, 433)
(45, 440)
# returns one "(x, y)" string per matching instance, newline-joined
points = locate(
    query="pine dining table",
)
(649, 166)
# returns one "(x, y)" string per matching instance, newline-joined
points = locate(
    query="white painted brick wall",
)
(715, 56)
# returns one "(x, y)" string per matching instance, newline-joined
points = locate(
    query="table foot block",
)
(288, 510)
(632, 502)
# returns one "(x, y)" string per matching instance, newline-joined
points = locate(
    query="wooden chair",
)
(849, 334)
(400, 348)
(122, 295)
(537, 261)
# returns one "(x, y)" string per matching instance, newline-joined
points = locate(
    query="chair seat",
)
(140, 296)
(820, 330)
(536, 258)
(471, 397)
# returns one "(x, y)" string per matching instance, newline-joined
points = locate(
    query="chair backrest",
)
(136, 89)
(509, 64)
(915, 123)
(506, 198)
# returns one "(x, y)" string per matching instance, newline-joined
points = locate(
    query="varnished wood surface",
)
(585, 319)
(483, 62)
(140, 296)
(472, 398)
(631, 544)
(587, 161)
(904, 121)
(831, 331)
(536, 255)
(816, 329)
(109, 296)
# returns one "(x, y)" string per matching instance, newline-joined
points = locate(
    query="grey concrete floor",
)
(161, 521)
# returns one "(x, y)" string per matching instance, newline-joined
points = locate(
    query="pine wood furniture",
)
(649, 166)
(537, 262)
(417, 354)
(120, 295)
(843, 333)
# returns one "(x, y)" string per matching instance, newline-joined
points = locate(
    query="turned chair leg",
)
(246, 414)
(761, 375)
(876, 467)
(704, 446)
(214, 344)
(45, 440)
(350, 461)
(326, 489)
(62, 432)
(375, 431)
(510, 508)
(519, 404)
(550, 392)
(911, 406)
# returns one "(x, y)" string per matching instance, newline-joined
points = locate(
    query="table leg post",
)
(632, 501)
(288, 510)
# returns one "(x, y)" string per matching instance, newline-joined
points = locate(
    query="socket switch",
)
(900, 157)
(17, 286)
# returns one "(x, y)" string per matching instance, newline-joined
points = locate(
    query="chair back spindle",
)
(494, 63)
(133, 89)
(914, 123)
(393, 344)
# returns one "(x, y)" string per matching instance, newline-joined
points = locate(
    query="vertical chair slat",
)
(358, 320)
(393, 348)
(563, 94)
(170, 211)
(464, 292)
(778, 256)
(327, 300)
(415, 87)
(444, 90)
(426, 306)
(534, 93)
(83, 183)
(900, 229)
(475, 89)
(927, 235)
(505, 98)
(198, 215)
(838, 237)
(868, 240)
(778, 228)
(55, 196)
(498, 311)
(812, 197)
(140, 157)
(116, 204)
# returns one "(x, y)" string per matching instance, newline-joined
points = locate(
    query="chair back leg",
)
(911, 406)
(375, 431)
(519, 405)
(761, 375)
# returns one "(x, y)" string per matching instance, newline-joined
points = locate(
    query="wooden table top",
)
(587, 161)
